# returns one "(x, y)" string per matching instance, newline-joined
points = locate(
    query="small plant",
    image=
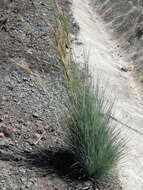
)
(90, 135)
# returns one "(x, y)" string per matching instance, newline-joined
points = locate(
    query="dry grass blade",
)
(22, 63)
(61, 40)
(40, 138)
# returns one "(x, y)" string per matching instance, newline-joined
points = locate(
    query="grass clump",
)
(90, 135)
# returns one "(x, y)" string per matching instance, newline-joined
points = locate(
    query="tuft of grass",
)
(90, 136)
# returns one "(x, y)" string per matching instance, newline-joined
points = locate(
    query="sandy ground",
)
(106, 59)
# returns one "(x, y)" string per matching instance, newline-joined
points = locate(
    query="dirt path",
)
(105, 59)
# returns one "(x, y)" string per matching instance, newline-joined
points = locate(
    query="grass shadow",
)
(60, 161)
(44, 162)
